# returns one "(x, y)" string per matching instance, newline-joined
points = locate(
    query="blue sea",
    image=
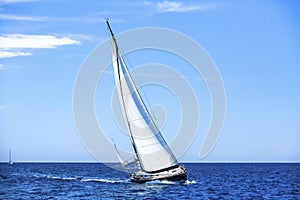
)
(97, 181)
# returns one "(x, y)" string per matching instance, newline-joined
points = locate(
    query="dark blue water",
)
(97, 181)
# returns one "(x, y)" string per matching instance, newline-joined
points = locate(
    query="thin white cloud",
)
(17, 41)
(22, 18)
(12, 45)
(175, 6)
(10, 54)
(2, 107)
(84, 19)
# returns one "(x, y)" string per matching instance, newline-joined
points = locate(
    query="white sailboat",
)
(10, 162)
(155, 159)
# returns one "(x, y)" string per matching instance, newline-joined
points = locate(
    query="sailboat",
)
(152, 154)
(10, 160)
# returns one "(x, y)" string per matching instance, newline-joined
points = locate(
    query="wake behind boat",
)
(153, 155)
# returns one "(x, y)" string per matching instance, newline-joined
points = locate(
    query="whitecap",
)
(187, 182)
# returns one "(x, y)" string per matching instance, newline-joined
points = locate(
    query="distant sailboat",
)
(10, 162)
(153, 155)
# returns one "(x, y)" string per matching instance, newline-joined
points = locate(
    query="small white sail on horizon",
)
(10, 162)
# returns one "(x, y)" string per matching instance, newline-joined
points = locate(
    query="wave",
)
(187, 182)
(105, 180)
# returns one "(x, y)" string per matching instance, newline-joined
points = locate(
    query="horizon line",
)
(196, 162)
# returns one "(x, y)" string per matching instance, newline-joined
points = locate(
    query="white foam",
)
(103, 180)
(69, 179)
(187, 182)
(61, 178)
(54, 177)
(166, 182)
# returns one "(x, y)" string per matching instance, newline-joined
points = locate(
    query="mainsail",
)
(149, 146)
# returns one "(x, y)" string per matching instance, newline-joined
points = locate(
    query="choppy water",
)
(97, 181)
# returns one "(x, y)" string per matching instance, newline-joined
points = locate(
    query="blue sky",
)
(255, 45)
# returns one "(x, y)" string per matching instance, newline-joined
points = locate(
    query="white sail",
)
(149, 146)
(10, 160)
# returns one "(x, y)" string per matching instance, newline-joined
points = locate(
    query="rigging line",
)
(137, 79)
(153, 122)
(122, 96)
(128, 124)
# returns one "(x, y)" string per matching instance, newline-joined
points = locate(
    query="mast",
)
(120, 85)
(114, 39)
(108, 25)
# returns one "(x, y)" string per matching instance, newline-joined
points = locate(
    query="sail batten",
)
(149, 146)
